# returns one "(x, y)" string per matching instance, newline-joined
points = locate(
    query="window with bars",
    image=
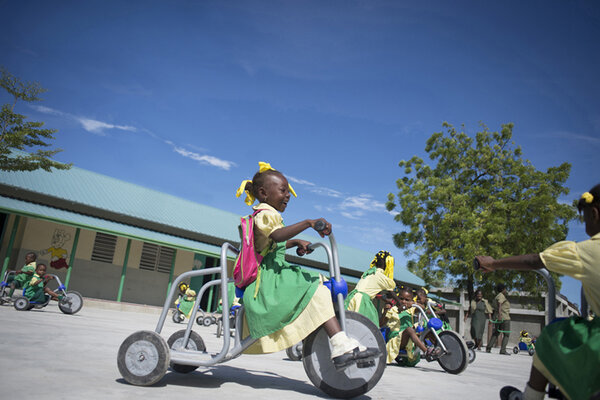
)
(104, 247)
(156, 258)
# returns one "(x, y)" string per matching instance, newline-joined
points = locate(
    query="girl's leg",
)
(409, 333)
(332, 326)
(537, 381)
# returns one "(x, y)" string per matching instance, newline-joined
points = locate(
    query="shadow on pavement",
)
(214, 378)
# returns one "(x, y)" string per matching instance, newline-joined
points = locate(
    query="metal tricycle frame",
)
(186, 357)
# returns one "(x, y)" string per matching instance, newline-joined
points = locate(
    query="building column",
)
(11, 242)
(172, 272)
(72, 258)
(124, 270)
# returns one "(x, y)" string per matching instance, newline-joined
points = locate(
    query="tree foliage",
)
(18, 133)
(480, 198)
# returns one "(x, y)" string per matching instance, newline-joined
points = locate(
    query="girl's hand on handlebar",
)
(302, 247)
(485, 263)
(326, 231)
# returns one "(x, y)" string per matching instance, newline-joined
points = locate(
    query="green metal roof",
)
(39, 211)
(111, 205)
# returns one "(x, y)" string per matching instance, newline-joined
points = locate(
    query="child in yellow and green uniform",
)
(286, 303)
(22, 276)
(36, 290)
(567, 352)
(186, 299)
(439, 311)
(379, 277)
(402, 333)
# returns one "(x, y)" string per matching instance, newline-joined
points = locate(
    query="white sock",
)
(341, 343)
(531, 394)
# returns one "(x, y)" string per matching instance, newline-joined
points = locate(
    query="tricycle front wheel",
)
(353, 381)
(143, 358)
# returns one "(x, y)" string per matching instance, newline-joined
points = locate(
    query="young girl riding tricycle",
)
(284, 305)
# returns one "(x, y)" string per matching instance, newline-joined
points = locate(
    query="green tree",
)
(480, 198)
(27, 136)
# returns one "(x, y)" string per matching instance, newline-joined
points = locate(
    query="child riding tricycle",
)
(343, 352)
(526, 343)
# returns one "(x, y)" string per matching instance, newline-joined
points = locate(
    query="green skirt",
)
(366, 307)
(570, 350)
(279, 294)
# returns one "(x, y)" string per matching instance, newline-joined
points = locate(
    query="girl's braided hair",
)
(379, 259)
(402, 288)
(588, 199)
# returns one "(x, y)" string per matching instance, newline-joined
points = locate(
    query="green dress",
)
(279, 294)
(478, 319)
(366, 304)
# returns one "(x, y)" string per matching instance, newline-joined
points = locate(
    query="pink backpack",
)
(248, 260)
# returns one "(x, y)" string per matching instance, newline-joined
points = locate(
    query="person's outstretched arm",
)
(288, 232)
(525, 262)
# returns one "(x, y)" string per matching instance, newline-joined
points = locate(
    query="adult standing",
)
(502, 320)
(479, 311)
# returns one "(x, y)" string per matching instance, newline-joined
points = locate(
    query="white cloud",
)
(356, 207)
(47, 110)
(364, 202)
(323, 191)
(90, 125)
(203, 159)
(299, 181)
(98, 127)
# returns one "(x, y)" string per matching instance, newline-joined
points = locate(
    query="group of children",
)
(33, 279)
(397, 316)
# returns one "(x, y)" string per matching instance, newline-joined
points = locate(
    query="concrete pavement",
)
(48, 354)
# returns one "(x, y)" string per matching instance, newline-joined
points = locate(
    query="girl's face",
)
(41, 270)
(275, 192)
(421, 298)
(406, 300)
(478, 296)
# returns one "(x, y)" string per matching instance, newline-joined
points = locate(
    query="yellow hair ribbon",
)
(249, 197)
(263, 166)
(588, 197)
(389, 267)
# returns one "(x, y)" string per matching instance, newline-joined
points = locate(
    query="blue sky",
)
(186, 97)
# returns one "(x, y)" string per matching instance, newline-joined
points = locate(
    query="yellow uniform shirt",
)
(267, 221)
(580, 260)
(375, 283)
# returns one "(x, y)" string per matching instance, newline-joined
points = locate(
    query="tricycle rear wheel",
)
(195, 343)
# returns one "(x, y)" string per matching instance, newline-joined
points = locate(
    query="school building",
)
(113, 240)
